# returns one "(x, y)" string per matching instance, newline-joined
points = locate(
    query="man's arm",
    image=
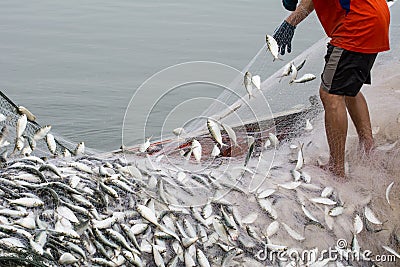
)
(302, 11)
(284, 33)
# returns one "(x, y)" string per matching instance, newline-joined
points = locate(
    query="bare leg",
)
(336, 130)
(358, 110)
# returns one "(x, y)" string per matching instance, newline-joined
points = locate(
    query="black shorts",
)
(345, 71)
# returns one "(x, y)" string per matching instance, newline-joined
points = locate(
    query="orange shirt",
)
(355, 25)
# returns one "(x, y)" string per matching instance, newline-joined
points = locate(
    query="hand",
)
(283, 36)
(290, 4)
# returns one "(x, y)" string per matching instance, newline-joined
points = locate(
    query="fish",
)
(2, 117)
(272, 228)
(251, 218)
(371, 217)
(178, 131)
(41, 132)
(266, 205)
(290, 185)
(29, 115)
(143, 147)
(196, 150)
(336, 211)
(3, 135)
(266, 193)
(358, 224)
(309, 215)
(67, 259)
(309, 126)
(21, 125)
(51, 143)
(300, 158)
(328, 219)
(251, 143)
(274, 140)
(80, 149)
(388, 189)
(305, 78)
(215, 152)
(267, 144)
(299, 67)
(293, 71)
(215, 131)
(295, 235)
(327, 191)
(324, 201)
(202, 259)
(390, 250)
(27, 202)
(287, 69)
(248, 84)
(272, 46)
(19, 143)
(231, 133)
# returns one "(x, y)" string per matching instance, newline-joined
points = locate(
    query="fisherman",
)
(358, 31)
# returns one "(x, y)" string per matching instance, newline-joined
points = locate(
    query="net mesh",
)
(10, 110)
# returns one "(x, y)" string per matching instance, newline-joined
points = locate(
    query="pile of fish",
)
(94, 211)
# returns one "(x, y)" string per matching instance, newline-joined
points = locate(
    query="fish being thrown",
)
(215, 131)
(248, 84)
(272, 46)
(305, 78)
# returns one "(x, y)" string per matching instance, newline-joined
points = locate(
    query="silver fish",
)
(287, 69)
(371, 217)
(295, 235)
(178, 131)
(248, 84)
(274, 140)
(388, 249)
(299, 67)
(80, 149)
(251, 142)
(305, 78)
(336, 211)
(21, 125)
(309, 126)
(2, 117)
(143, 147)
(25, 111)
(41, 132)
(388, 189)
(293, 71)
(272, 46)
(196, 149)
(215, 152)
(27, 202)
(215, 131)
(322, 200)
(67, 258)
(358, 224)
(231, 133)
(51, 143)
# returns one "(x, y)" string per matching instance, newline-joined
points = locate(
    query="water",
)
(77, 64)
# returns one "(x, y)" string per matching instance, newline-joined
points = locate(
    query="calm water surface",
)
(76, 64)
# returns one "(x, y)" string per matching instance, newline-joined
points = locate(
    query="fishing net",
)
(10, 110)
(279, 107)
